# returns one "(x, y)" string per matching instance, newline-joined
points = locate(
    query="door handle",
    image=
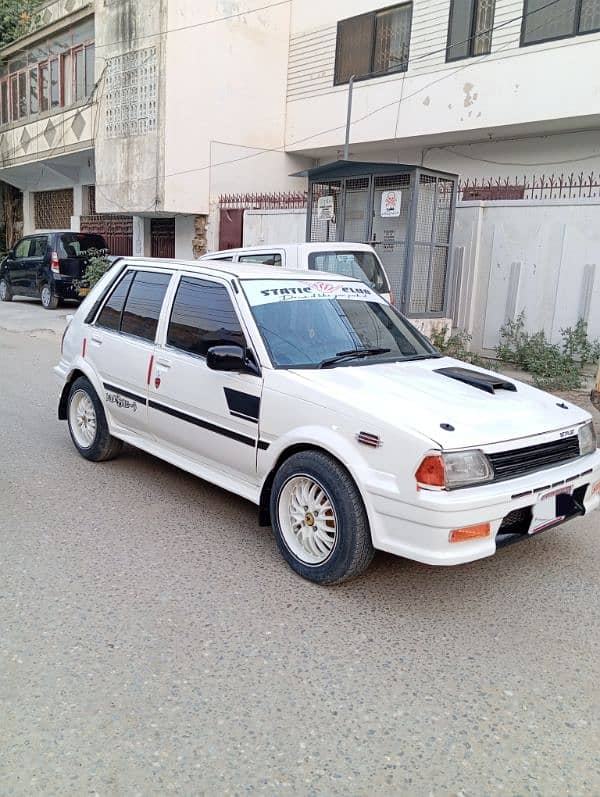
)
(163, 363)
(95, 339)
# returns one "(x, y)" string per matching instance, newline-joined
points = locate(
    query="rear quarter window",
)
(72, 244)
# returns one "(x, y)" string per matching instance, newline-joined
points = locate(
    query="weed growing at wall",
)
(553, 366)
(455, 344)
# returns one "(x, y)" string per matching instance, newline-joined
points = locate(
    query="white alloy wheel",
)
(82, 419)
(307, 519)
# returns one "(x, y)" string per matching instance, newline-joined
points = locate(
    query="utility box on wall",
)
(405, 212)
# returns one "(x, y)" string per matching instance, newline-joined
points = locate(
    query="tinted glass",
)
(358, 265)
(203, 316)
(110, 316)
(461, 17)
(142, 309)
(39, 246)
(304, 323)
(273, 259)
(543, 20)
(354, 45)
(72, 244)
(22, 248)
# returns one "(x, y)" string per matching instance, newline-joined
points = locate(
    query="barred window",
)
(544, 22)
(372, 44)
(470, 28)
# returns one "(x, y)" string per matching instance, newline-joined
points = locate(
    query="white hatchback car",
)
(314, 398)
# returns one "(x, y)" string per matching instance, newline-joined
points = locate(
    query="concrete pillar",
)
(28, 215)
(185, 231)
(141, 237)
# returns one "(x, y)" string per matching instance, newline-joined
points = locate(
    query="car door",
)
(209, 416)
(36, 261)
(121, 344)
(16, 266)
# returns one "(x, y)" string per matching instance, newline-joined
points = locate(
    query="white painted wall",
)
(542, 257)
(226, 82)
(265, 227)
(184, 235)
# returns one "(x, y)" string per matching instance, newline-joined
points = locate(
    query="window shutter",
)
(354, 44)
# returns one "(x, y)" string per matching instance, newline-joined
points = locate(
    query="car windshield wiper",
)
(412, 357)
(351, 354)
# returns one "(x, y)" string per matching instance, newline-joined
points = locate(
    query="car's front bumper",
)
(420, 529)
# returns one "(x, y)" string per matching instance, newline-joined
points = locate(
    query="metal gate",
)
(117, 231)
(162, 237)
(231, 228)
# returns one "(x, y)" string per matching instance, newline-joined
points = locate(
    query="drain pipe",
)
(349, 118)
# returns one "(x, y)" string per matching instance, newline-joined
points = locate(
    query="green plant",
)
(554, 367)
(98, 265)
(454, 344)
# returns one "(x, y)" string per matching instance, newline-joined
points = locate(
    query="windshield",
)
(76, 244)
(359, 265)
(308, 324)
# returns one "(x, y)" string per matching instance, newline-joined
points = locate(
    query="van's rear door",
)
(74, 250)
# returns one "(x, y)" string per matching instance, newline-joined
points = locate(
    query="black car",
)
(45, 264)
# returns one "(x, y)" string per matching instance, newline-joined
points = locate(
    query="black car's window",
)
(76, 244)
(144, 303)
(39, 245)
(110, 315)
(267, 259)
(22, 248)
(203, 316)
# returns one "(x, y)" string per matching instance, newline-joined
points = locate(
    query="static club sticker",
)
(271, 291)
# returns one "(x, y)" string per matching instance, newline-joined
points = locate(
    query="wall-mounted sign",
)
(391, 202)
(325, 208)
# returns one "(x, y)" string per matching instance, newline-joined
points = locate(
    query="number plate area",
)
(552, 507)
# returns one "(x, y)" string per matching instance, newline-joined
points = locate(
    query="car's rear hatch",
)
(74, 250)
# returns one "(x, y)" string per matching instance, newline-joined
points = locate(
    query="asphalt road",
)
(153, 642)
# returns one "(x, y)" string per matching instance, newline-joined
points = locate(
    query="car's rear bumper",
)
(63, 286)
(421, 530)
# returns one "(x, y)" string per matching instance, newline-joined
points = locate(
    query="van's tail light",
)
(54, 264)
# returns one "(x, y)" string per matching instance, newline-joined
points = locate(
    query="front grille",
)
(510, 464)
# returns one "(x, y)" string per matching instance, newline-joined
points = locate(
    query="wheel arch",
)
(79, 369)
(264, 513)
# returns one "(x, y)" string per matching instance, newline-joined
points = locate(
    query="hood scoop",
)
(487, 382)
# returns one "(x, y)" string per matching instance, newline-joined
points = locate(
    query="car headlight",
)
(587, 438)
(455, 469)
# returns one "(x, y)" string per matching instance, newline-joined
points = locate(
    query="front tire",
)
(48, 297)
(87, 423)
(319, 519)
(6, 294)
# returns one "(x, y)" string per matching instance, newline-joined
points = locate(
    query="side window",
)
(144, 303)
(203, 316)
(266, 259)
(228, 258)
(39, 246)
(22, 248)
(110, 315)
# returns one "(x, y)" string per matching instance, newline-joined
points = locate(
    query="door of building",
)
(162, 237)
(231, 228)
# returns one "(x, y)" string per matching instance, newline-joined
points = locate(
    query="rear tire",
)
(87, 423)
(48, 297)
(6, 295)
(319, 519)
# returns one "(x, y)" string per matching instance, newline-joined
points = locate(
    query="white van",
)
(358, 261)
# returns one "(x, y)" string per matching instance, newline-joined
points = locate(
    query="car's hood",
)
(413, 395)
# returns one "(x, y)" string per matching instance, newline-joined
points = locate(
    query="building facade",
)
(139, 115)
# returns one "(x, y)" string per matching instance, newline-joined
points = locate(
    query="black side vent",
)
(477, 379)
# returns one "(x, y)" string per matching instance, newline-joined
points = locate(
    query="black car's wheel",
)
(87, 423)
(5, 291)
(48, 297)
(319, 519)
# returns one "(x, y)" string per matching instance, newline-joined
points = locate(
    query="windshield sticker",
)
(269, 291)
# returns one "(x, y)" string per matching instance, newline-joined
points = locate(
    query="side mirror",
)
(231, 358)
